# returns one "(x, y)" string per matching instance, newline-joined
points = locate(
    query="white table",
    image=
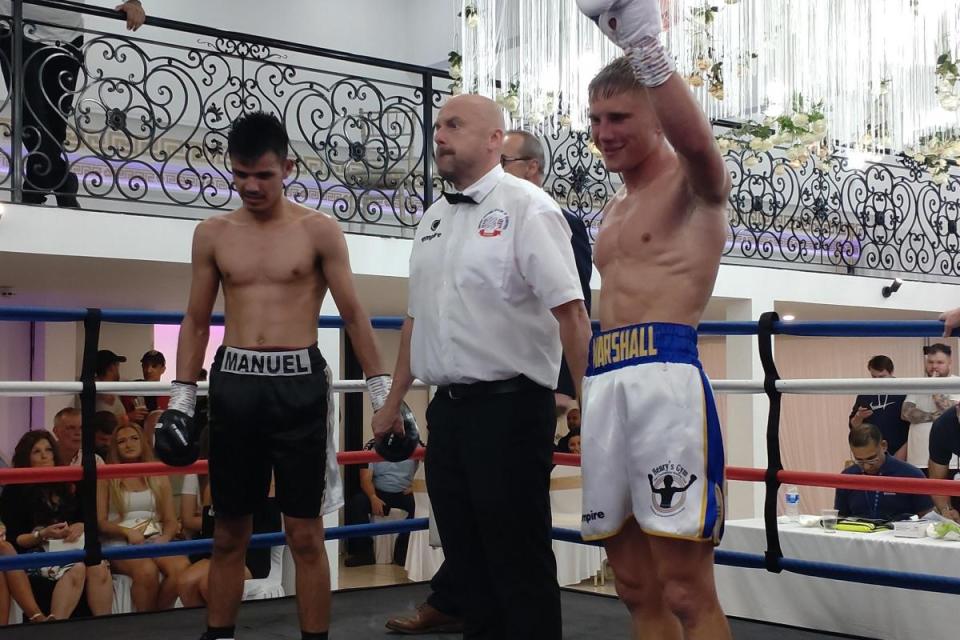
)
(842, 607)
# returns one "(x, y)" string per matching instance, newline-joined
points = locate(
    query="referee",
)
(494, 293)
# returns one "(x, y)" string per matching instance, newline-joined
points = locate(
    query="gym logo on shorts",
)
(266, 363)
(668, 484)
(494, 223)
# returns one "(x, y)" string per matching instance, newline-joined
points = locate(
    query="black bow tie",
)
(459, 198)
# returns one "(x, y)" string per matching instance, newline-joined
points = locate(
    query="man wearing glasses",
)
(921, 409)
(522, 156)
(869, 451)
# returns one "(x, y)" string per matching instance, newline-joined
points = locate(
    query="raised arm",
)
(635, 25)
(690, 134)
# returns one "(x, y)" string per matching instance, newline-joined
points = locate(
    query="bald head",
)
(468, 134)
(480, 108)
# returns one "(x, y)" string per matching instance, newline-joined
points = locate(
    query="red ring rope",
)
(34, 475)
(921, 486)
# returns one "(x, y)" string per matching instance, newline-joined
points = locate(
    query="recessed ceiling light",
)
(788, 318)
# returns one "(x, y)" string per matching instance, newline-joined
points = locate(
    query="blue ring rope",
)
(131, 316)
(903, 580)
(880, 577)
(836, 329)
(186, 547)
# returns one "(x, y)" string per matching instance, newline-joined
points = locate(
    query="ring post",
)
(88, 400)
(774, 464)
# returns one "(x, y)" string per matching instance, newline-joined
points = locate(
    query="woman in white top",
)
(138, 510)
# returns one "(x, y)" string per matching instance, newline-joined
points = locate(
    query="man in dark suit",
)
(523, 157)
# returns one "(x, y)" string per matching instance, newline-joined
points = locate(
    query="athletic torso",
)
(271, 276)
(658, 253)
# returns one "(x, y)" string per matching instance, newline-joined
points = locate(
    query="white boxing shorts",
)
(651, 445)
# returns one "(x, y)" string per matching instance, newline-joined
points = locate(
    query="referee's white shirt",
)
(483, 279)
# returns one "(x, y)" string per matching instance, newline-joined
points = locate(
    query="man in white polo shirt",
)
(52, 57)
(68, 431)
(921, 409)
(494, 293)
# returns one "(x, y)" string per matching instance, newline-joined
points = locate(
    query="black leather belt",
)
(488, 388)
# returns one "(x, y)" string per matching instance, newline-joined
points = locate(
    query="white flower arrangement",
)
(803, 133)
(511, 99)
(948, 93)
(472, 15)
(456, 72)
(710, 73)
(936, 154)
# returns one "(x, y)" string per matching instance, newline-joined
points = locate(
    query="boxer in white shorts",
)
(654, 450)
(652, 455)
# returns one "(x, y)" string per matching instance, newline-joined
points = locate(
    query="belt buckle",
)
(451, 394)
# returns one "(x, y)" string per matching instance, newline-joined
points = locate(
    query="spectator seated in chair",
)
(16, 585)
(138, 510)
(104, 424)
(49, 517)
(384, 486)
(870, 456)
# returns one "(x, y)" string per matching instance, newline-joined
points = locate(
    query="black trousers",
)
(358, 512)
(445, 592)
(49, 83)
(488, 476)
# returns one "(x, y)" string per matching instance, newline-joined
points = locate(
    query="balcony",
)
(146, 134)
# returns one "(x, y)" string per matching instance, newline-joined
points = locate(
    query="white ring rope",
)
(824, 386)
(44, 388)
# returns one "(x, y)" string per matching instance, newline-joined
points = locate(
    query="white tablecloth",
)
(842, 607)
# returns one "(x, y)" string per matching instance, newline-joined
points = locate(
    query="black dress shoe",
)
(33, 197)
(67, 196)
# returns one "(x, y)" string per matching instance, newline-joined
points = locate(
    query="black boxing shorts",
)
(268, 412)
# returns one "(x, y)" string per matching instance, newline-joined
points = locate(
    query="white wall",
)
(14, 365)
(415, 31)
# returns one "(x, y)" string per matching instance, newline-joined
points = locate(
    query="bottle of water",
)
(791, 502)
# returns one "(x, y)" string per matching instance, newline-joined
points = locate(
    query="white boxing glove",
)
(634, 26)
(594, 8)
(379, 389)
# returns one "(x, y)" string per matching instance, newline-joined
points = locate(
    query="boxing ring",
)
(585, 615)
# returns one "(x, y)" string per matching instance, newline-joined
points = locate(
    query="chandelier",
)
(883, 71)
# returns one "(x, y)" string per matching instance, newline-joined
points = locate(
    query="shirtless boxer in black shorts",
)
(268, 386)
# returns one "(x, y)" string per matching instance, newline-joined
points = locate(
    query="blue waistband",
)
(642, 344)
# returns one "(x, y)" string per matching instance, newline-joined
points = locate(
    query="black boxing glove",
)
(175, 437)
(397, 447)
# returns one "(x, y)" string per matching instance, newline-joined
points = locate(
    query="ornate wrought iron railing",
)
(148, 120)
(147, 128)
(887, 218)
